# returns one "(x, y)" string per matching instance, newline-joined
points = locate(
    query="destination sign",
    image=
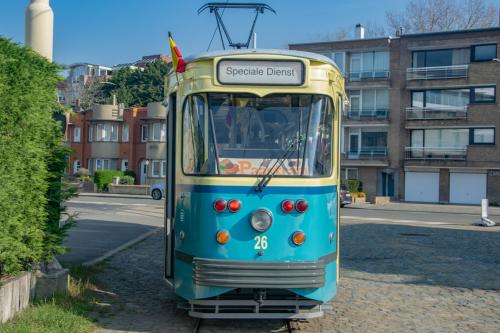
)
(260, 72)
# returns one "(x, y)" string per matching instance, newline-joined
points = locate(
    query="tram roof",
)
(233, 52)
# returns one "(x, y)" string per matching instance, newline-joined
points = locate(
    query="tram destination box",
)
(260, 72)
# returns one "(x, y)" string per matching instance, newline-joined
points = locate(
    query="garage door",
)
(467, 188)
(422, 186)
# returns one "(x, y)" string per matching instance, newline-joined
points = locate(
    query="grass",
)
(63, 313)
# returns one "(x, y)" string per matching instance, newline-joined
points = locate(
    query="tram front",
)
(252, 186)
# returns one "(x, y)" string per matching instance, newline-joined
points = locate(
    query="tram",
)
(252, 208)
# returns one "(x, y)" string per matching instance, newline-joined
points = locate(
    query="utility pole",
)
(39, 33)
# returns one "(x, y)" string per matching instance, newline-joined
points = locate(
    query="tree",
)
(442, 15)
(32, 159)
(136, 87)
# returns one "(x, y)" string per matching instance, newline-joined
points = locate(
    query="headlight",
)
(261, 220)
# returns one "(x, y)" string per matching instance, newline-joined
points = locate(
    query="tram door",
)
(170, 187)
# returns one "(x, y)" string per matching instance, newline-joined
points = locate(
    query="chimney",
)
(360, 31)
(39, 28)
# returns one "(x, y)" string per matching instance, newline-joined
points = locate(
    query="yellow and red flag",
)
(177, 61)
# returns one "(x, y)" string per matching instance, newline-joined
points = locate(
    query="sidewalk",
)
(108, 195)
(428, 208)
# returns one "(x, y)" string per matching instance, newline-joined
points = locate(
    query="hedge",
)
(32, 160)
(102, 178)
(127, 180)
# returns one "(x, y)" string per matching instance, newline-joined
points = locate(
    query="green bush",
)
(102, 178)
(127, 180)
(130, 173)
(353, 185)
(32, 160)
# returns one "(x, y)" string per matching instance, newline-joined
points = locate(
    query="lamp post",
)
(39, 25)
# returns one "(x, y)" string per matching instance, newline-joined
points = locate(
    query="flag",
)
(177, 61)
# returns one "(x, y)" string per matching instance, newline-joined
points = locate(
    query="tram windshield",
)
(245, 135)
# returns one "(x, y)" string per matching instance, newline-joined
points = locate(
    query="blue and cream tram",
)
(252, 217)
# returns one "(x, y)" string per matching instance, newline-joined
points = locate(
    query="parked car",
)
(158, 191)
(345, 196)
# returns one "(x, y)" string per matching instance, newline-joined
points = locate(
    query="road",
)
(106, 223)
(404, 268)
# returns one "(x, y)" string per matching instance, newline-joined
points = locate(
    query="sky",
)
(109, 32)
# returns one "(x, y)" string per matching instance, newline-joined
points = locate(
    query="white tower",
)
(40, 27)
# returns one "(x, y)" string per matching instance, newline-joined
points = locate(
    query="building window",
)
(159, 131)
(144, 133)
(351, 173)
(156, 168)
(102, 164)
(124, 165)
(369, 103)
(484, 136)
(125, 133)
(439, 58)
(91, 133)
(452, 138)
(483, 95)
(440, 99)
(76, 166)
(163, 168)
(107, 132)
(485, 52)
(369, 65)
(76, 134)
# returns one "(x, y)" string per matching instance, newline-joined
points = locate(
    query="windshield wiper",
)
(266, 178)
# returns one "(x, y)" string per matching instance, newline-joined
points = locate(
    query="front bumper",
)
(259, 274)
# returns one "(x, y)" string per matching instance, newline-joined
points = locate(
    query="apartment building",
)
(80, 75)
(111, 138)
(422, 115)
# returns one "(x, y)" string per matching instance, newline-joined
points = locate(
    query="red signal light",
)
(287, 206)
(220, 205)
(234, 205)
(301, 206)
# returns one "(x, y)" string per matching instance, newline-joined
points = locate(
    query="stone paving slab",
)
(394, 278)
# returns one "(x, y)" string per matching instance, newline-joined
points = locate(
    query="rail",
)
(438, 72)
(368, 114)
(378, 74)
(367, 153)
(417, 113)
(435, 153)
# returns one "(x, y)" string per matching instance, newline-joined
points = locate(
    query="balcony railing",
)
(435, 153)
(367, 114)
(368, 153)
(439, 72)
(417, 113)
(378, 74)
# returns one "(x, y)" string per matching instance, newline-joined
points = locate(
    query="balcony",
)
(381, 74)
(368, 114)
(435, 153)
(436, 113)
(368, 153)
(439, 72)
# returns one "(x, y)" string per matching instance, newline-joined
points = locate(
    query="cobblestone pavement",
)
(394, 278)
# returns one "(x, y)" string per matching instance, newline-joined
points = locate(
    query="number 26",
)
(260, 242)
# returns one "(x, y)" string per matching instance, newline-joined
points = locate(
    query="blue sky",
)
(108, 32)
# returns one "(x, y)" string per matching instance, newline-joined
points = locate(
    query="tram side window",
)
(193, 122)
(319, 140)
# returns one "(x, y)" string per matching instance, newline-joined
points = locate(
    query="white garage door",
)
(467, 188)
(422, 186)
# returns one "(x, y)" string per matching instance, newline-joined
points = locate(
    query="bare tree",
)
(374, 29)
(442, 15)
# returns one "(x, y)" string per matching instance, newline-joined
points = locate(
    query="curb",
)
(122, 247)
(123, 196)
